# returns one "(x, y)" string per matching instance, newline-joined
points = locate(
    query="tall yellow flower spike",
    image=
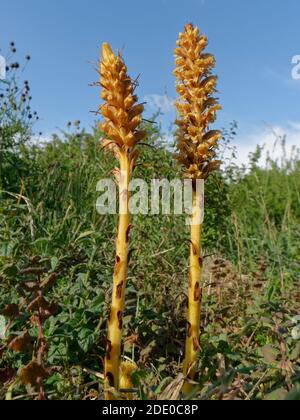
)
(122, 118)
(197, 108)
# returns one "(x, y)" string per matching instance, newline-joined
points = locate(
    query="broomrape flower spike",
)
(197, 108)
(122, 118)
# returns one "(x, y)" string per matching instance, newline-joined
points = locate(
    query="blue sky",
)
(253, 41)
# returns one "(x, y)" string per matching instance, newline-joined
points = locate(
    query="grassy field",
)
(53, 241)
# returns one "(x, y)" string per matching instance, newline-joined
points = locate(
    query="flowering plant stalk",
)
(197, 108)
(122, 118)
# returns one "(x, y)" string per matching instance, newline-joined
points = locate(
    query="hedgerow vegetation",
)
(56, 265)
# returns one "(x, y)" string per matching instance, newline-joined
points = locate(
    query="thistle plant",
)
(122, 118)
(197, 108)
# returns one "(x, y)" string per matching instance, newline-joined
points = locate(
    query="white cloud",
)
(2, 68)
(40, 140)
(269, 137)
(160, 102)
(285, 77)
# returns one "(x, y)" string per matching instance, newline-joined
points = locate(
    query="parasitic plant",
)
(197, 108)
(122, 118)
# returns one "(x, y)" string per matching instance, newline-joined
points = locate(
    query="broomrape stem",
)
(115, 326)
(194, 297)
(196, 144)
(122, 118)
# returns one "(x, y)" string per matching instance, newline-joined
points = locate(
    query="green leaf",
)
(97, 303)
(10, 271)
(54, 262)
(294, 395)
(295, 353)
(271, 293)
(84, 235)
(279, 394)
(86, 339)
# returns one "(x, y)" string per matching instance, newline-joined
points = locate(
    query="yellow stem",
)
(194, 298)
(114, 337)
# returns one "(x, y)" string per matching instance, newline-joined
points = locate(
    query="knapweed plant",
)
(196, 144)
(122, 118)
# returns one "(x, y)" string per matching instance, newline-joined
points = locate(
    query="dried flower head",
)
(196, 105)
(122, 114)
